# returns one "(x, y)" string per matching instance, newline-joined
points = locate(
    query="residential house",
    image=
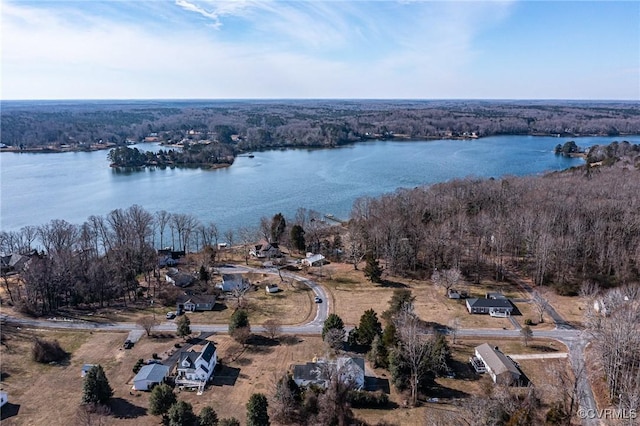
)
(272, 288)
(194, 303)
(265, 250)
(319, 372)
(194, 369)
(313, 260)
(149, 376)
(179, 279)
(13, 263)
(231, 282)
(494, 307)
(501, 368)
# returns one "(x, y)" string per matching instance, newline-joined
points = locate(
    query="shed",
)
(149, 376)
(272, 288)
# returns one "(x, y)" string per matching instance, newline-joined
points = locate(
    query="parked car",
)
(171, 315)
(128, 344)
(153, 361)
(318, 300)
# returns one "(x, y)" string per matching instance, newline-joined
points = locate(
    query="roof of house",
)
(231, 277)
(152, 372)
(311, 371)
(197, 298)
(180, 278)
(208, 351)
(315, 258)
(496, 360)
(490, 303)
(191, 356)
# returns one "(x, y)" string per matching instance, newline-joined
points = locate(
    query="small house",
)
(149, 376)
(196, 303)
(194, 369)
(500, 367)
(319, 373)
(313, 260)
(265, 250)
(494, 307)
(272, 288)
(179, 279)
(231, 282)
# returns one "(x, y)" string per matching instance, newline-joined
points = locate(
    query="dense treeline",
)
(562, 229)
(191, 155)
(262, 124)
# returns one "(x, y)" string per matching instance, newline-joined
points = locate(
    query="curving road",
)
(575, 340)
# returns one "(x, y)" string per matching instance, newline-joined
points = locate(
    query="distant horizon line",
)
(319, 99)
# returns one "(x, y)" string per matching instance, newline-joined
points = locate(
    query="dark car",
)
(128, 344)
(318, 300)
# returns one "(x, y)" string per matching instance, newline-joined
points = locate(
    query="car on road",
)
(318, 300)
(128, 344)
(171, 315)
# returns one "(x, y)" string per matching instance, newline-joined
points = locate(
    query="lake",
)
(36, 188)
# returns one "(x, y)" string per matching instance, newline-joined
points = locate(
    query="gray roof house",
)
(198, 302)
(313, 260)
(350, 370)
(493, 307)
(194, 369)
(232, 281)
(500, 367)
(265, 250)
(149, 376)
(179, 279)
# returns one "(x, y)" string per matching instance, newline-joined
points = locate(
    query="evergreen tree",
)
(96, 388)
(378, 355)
(181, 414)
(208, 417)
(231, 421)
(333, 321)
(368, 328)
(239, 319)
(372, 270)
(278, 226)
(257, 410)
(161, 399)
(297, 238)
(183, 326)
(203, 274)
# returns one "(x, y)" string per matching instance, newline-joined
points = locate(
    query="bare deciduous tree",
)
(272, 327)
(148, 323)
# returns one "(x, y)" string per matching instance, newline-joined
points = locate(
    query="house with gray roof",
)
(194, 369)
(149, 376)
(231, 282)
(493, 307)
(501, 368)
(319, 372)
(195, 302)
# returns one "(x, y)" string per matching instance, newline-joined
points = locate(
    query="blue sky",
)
(90, 49)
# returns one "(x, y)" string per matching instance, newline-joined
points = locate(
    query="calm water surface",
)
(36, 188)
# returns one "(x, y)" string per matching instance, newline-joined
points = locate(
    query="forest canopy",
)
(250, 125)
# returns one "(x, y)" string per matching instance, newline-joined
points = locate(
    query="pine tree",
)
(239, 319)
(368, 328)
(161, 399)
(181, 414)
(183, 326)
(373, 270)
(278, 226)
(333, 321)
(297, 238)
(208, 417)
(257, 414)
(96, 388)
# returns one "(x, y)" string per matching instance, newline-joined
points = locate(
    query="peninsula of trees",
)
(252, 125)
(210, 155)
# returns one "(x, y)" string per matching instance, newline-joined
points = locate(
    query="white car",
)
(318, 300)
(171, 315)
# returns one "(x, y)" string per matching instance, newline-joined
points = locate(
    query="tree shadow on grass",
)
(543, 348)
(123, 409)
(392, 284)
(290, 340)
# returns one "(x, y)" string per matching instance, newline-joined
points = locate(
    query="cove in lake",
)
(36, 188)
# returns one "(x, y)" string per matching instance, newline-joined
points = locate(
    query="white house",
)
(313, 260)
(4, 398)
(501, 368)
(196, 368)
(265, 250)
(149, 376)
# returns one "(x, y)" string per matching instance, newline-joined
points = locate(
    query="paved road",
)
(575, 340)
